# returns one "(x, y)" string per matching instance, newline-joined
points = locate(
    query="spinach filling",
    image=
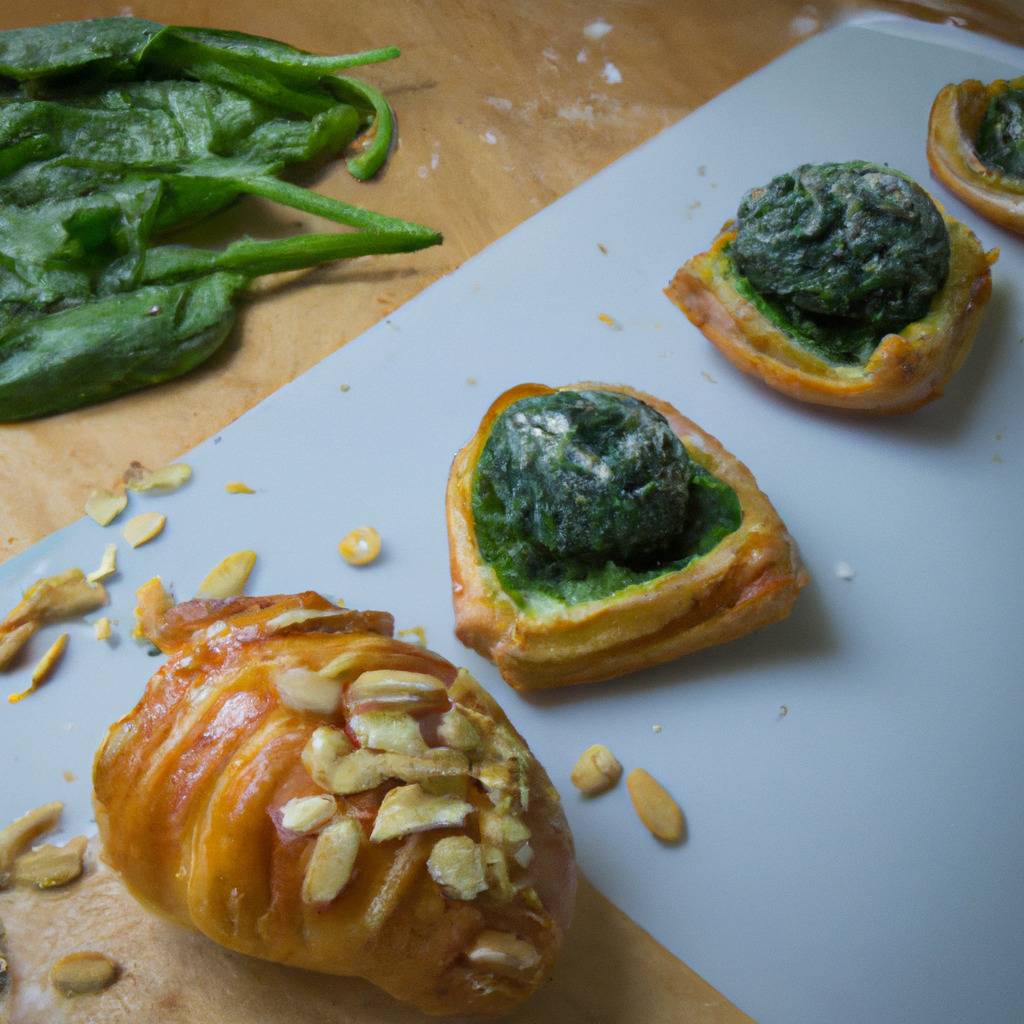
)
(839, 255)
(578, 495)
(1000, 142)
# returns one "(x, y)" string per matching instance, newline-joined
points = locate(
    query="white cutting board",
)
(855, 859)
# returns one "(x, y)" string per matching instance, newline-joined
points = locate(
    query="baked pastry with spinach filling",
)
(594, 530)
(976, 147)
(841, 284)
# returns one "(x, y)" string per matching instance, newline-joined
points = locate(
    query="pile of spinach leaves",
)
(117, 130)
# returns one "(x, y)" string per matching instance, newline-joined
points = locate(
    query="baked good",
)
(976, 147)
(299, 786)
(594, 530)
(841, 285)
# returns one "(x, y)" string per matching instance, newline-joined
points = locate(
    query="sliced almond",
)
(344, 663)
(322, 752)
(304, 690)
(78, 973)
(502, 951)
(44, 667)
(237, 487)
(456, 864)
(66, 595)
(392, 731)
(395, 690)
(143, 528)
(12, 641)
(361, 546)
(655, 807)
(496, 871)
(307, 813)
(104, 507)
(330, 865)
(101, 628)
(458, 731)
(408, 809)
(48, 867)
(168, 478)
(19, 835)
(228, 577)
(108, 565)
(315, 618)
(366, 769)
(416, 635)
(596, 771)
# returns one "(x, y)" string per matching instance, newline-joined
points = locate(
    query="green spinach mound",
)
(1000, 142)
(839, 255)
(580, 494)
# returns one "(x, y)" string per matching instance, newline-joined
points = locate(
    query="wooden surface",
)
(610, 972)
(502, 109)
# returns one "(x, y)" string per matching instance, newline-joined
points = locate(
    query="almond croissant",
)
(301, 787)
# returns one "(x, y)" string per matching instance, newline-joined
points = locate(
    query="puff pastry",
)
(906, 369)
(953, 126)
(747, 580)
(300, 787)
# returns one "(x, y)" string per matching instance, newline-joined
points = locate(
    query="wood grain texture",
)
(611, 972)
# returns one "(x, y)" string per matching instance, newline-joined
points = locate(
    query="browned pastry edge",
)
(751, 578)
(953, 126)
(904, 372)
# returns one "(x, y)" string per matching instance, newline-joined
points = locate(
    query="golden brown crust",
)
(749, 580)
(953, 127)
(905, 370)
(189, 788)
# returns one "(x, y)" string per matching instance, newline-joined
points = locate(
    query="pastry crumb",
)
(845, 571)
(605, 318)
(657, 728)
(707, 376)
(602, 248)
(69, 776)
(783, 710)
(344, 387)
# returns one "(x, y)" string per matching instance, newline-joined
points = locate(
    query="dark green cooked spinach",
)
(839, 255)
(1000, 142)
(578, 495)
(118, 130)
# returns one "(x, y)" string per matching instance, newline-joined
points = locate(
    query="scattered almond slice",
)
(334, 856)
(502, 951)
(168, 478)
(314, 618)
(17, 836)
(456, 864)
(304, 690)
(44, 667)
(228, 577)
(66, 595)
(392, 731)
(108, 565)
(101, 628)
(143, 528)
(417, 633)
(596, 771)
(361, 546)
(655, 807)
(323, 751)
(48, 867)
(12, 641)
(408, 809)
(104, 507)
(307, 813)
(458, 731)
(394, 690)
(78, 973)
(366, 769)
(237, 487)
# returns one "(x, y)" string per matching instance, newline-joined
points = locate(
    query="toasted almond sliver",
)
(456, 864)
(78, 973)
(17, 836)
(237, 487)
(304, 690)
(315, 617)
(65, 595)
(408, 809)
(44, 667)
(12, 641)
(502, 950)
(417, 635)
(596, 771)
(394, 690)
(101, 628)
(322, 753)
(458, 731)
(361, 546)
(167, 478)
(307, 813)
(655, 807)
(334, 856)
(104, 507)
(108, 565)
(48, 867)
(228, 577)
(143, 528)
(392, 731)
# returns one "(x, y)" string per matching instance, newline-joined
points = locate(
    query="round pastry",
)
(976, 147)
(301, 787)
(842, 285)
(594, 530)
